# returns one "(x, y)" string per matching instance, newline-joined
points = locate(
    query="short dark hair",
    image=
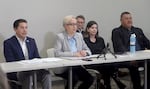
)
(123, 13)
(89, 24)
(80, 16)
(17, 22)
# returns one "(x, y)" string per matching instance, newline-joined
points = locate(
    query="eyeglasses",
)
(72, 24)
(80, 22)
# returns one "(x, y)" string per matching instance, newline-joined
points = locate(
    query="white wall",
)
(45, 17)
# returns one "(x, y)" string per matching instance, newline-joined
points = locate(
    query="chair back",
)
(59, 70)
(50, 52)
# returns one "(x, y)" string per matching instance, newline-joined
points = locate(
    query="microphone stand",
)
(105, 51)
(104, 56)
(112, 53)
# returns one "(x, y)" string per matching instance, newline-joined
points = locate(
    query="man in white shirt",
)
(21, 47)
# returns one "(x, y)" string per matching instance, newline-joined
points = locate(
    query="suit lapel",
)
(18, 47)
(77, 41)
(66, 39)
(28, 46)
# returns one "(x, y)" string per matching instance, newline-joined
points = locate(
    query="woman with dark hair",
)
(97, 46)
(92, 39)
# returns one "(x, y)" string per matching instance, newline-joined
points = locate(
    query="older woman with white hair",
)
(69, 43)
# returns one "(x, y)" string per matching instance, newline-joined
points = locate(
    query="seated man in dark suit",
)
(121, 44)
(80, 23)
(21, 47)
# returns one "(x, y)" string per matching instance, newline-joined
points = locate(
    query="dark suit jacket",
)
(13, 51)
(121, 39)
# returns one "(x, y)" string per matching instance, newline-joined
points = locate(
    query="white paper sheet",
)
(39, 60)
(79, 58)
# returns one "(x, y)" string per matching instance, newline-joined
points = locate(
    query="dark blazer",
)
(121, 39)
(13, 51)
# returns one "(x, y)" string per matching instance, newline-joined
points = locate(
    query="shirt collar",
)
(20, 40)
(68, 37)
(73, 37)
(126, 28)
(80, 30)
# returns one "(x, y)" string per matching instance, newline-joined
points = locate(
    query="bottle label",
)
(132, 49)
(132, 42)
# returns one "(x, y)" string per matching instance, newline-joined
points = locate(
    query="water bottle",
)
(132, 43)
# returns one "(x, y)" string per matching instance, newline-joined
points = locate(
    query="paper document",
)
(39, 60)
(51, 59)
(79, 58)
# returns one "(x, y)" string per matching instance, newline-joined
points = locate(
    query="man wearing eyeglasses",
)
(80, 23)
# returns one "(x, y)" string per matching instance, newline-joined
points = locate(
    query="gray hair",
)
(67, 19)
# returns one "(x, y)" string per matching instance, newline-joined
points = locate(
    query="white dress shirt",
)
(23, 46)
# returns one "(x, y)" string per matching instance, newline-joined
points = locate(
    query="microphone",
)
(105, 51)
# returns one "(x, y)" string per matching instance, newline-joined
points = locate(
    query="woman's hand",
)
(81, 53)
